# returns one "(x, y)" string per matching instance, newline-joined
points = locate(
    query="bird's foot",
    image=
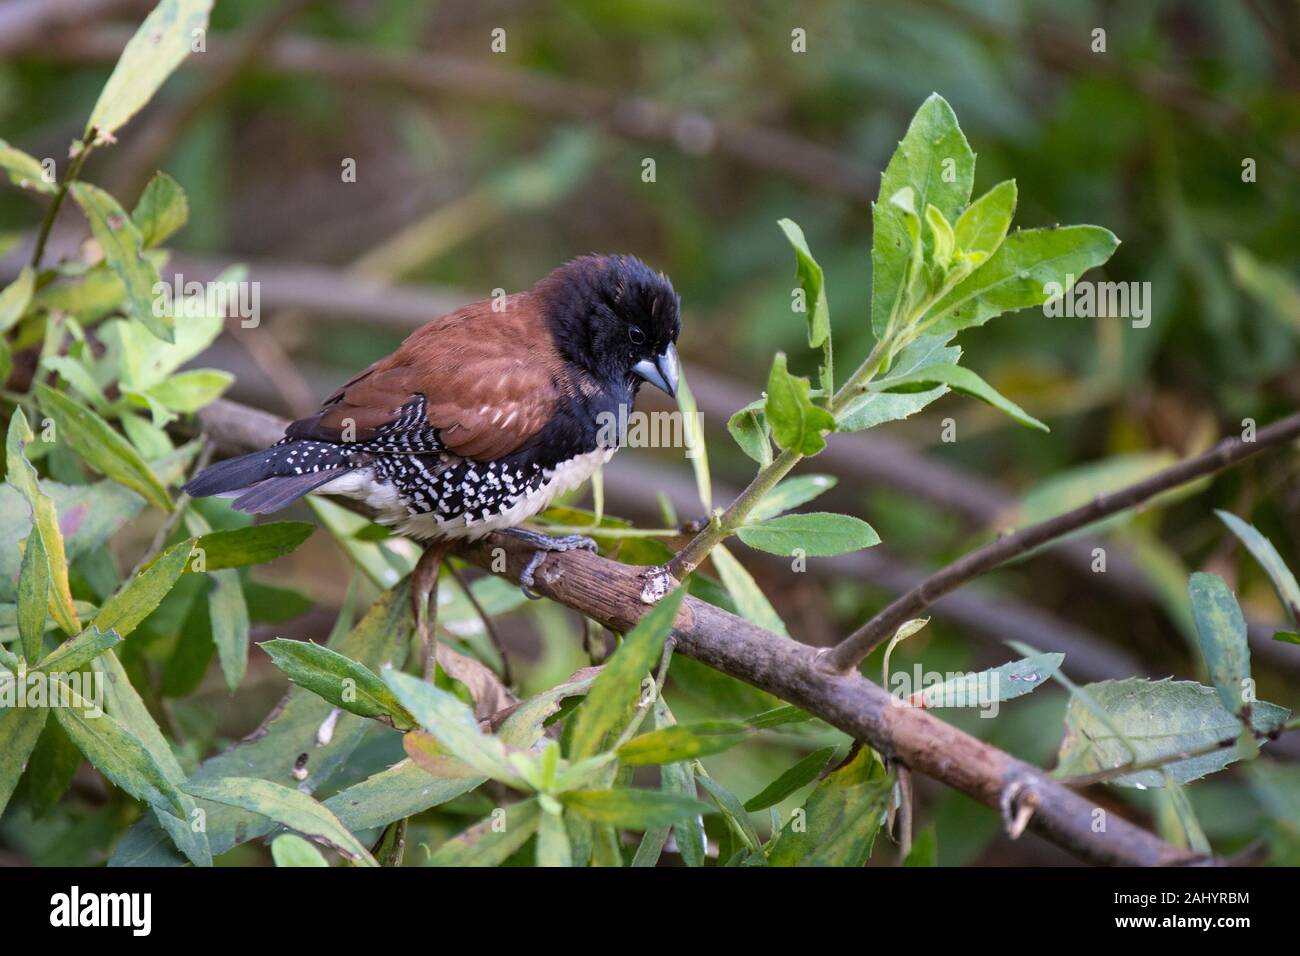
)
(546, 544)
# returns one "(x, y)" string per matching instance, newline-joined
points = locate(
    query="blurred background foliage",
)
(478, 170)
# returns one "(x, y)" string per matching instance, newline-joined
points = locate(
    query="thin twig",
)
(849, 653)
(52, 213)
(488, 626)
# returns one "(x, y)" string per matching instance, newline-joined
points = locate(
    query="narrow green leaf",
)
(44, 521)
(101, 447)
(875, 408)
(50, 770)
(813, 283)
(165, 38)
(492, 840)
(343, 682)
(553, 848)
(33, 597)
(615, 692)
(633, 809)
(993, 686)
(254, 544)
(24, 170)
(137, 599)
(682, 742)
(20, 728)
(287, 806)
(1221, 633)
(1259, 546)
(1030, 267)
(751, 603)
(796, 778)
(76, 653)
(964, 380)
(814, 533)
(120, 241)
(450, 721)
(15, 298)
(840, 818)
(791, 493)
(749, 428)
(696, 448)
(116, 753)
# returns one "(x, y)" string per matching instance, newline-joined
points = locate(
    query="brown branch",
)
(849, 653)
(609, 593)
(442, 75)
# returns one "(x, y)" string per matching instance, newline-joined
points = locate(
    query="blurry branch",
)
(610, 593)
(152, 143)
(850, 652)
(441, 75)
(25, 23)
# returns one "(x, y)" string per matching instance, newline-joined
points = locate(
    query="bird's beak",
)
(662, 373)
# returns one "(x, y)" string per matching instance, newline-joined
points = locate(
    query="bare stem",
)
(52, 213)
(849, 652)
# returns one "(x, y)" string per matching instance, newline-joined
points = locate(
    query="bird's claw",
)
(545, 544)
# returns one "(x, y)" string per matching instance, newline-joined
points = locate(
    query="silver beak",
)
(663, 372)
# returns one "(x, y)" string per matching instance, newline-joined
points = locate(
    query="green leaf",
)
(796, 778)
(875, 408)
(696, 448)
(633, 809)
(116, 753)
(191, 391)
(1259, 546)
(285, 805)
(15, 298)
(230, 625)
(161, 211)
(76, 653)
(120, 241)
(1028, 268)
(984, 224)
(254, 544)
(795, 421)
(1221, 633)
(815, 534)
(682, 742)
(492, 840)
(157, 48)
(24, 170)
(841, 817)
(1005, 682)
(20, 728)
(964, 380)
(615, 692)
(937, 164)
(375, 560)
(925, 849)
(553, 847)
(100, 447)
(289, 849)
(1287, 637)
(382, 635)
(452, 723)
(1160, 719)
(341, 681)
(730, 807)
(791, 493)
(44, 521)
(33, 597)
(138, 598)
(813, 283)
(749, 428)
(50, 770)
(750, 601)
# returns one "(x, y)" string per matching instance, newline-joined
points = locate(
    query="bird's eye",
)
(636, 335)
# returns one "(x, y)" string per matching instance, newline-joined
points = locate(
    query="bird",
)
(483, 416)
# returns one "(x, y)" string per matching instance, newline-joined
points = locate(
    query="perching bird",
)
(481, 417)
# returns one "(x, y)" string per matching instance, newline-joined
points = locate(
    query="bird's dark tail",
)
(270, 479)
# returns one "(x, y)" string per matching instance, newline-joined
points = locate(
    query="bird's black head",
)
(616, 318)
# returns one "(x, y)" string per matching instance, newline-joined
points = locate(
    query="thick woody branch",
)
(609, 593)
(850, 652)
